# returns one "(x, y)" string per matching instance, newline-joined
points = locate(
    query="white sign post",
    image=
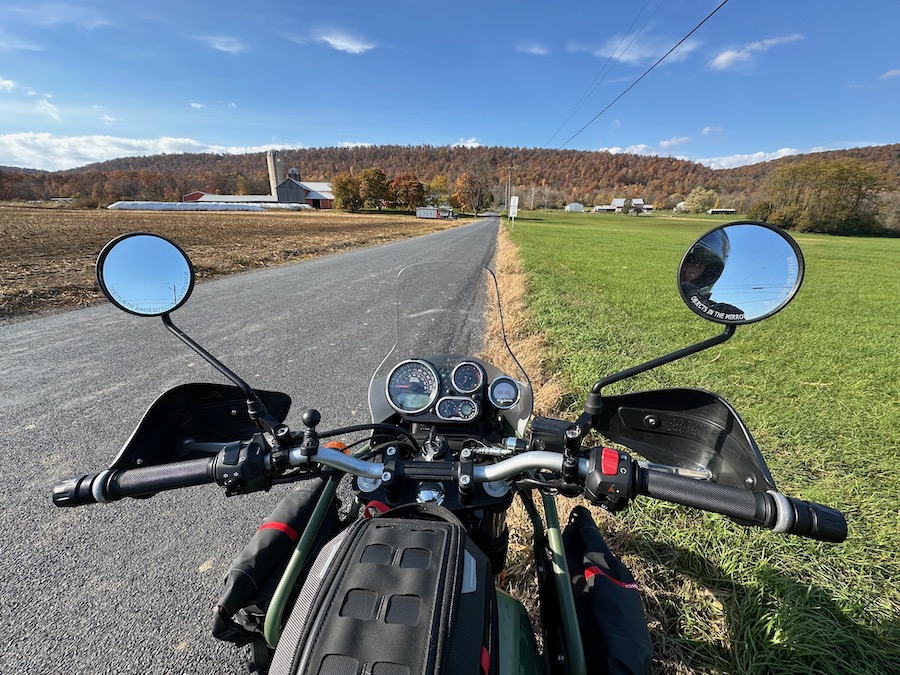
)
(513, 207)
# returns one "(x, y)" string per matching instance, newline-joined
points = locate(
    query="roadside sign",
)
(514, 206)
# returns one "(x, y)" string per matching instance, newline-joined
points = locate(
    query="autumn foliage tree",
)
(408, 191)
(472, 191)
(345, 188)
(834, 196)
(374, 188)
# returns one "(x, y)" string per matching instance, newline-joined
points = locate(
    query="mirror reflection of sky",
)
(146, 274)
(760, 272)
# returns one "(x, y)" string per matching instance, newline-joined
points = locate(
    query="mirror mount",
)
(594, 404)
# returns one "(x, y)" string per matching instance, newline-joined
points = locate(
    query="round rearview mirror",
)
(145, 274)
(740, 273)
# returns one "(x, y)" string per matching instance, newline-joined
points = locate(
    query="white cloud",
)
(7, 85)
(889, 74)
(343, 42)
(532, 48)
(355, 144)
(54, 153)
(467, 143)
(197, 106)
(61, 13)
(222, 43)
(732, 57)
(47, 108)
(674, 142)
(731, 161)
(712, 130)
(639, 149)
(108, 120)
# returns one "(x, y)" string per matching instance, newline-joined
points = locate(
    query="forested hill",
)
(553, 176)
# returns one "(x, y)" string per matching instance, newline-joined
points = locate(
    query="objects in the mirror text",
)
(714, 313)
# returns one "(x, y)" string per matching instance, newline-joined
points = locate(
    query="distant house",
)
(618, 205)
(721, 212)
(575, 206)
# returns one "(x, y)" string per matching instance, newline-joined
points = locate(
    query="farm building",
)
(618, 205)
(285, 189)
(575, 206)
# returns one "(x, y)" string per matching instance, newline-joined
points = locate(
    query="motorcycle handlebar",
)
(114, 484)
(764, 509)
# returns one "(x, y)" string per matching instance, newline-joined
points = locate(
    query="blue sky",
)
(95, 79)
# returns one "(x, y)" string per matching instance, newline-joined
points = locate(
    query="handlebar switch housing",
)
(609, 483)
(242, 469)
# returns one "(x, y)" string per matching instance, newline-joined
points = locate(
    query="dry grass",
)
(47, 254)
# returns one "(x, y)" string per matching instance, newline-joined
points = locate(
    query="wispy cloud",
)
(55, 153)
(674, 142)
(108, 120)
(639, 51)
(6, 85)
(47, 108)
(707, 130)
(889, 74)
(196, 106)
(467, 143)
(61, 13)
(533, 48)
(343, 41)
(731, 161)
(354, 144)
(733, 57)
(223, 43)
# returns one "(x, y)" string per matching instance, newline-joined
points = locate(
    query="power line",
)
(604, 70)
(646, 72)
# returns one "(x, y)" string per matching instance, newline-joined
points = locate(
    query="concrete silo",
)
(277, 172)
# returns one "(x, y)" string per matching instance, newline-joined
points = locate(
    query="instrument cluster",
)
(453, 390)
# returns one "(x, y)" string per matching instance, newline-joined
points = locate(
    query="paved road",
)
(127, 587)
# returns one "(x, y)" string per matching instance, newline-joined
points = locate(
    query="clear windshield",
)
(452, 308)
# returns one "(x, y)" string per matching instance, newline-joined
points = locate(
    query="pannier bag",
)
(607, 601)
(404, 593)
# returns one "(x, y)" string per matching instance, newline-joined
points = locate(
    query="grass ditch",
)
(817, 386)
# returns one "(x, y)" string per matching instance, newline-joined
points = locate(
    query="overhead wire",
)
(643, 75)
(604, 71)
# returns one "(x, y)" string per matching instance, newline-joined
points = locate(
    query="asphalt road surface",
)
(128, 587)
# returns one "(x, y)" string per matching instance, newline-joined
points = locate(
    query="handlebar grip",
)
(765, 509)
(112, 485)
(754, 508)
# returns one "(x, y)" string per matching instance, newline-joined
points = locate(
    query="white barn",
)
(575, 206)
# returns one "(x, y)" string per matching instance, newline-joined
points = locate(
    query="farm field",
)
(819, 387)
(47, 254)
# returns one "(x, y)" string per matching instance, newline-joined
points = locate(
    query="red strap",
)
(485, 660)
(594, 569)
(374, 508)
(281, 527)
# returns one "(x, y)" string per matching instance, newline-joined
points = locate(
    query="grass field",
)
(47, 254)
(819, 387)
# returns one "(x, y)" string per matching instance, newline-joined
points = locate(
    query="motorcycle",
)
(390, 556)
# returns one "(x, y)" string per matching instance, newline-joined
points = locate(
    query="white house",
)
(618, 205)
(575, 206)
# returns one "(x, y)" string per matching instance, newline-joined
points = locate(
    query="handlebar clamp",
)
(609, 483)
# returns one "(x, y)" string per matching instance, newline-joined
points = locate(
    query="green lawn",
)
(819, 387)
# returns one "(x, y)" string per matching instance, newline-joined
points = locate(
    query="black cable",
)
(646, 72)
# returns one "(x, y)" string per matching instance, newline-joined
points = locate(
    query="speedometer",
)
(412, 386)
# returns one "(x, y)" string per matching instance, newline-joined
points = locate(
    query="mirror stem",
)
(594, 403)
(215, 363)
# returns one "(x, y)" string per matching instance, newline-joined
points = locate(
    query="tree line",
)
(851, 191)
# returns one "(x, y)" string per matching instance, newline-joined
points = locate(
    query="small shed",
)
(575, 206)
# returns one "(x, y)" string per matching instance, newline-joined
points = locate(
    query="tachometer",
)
(412, 386)
(467, 377)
